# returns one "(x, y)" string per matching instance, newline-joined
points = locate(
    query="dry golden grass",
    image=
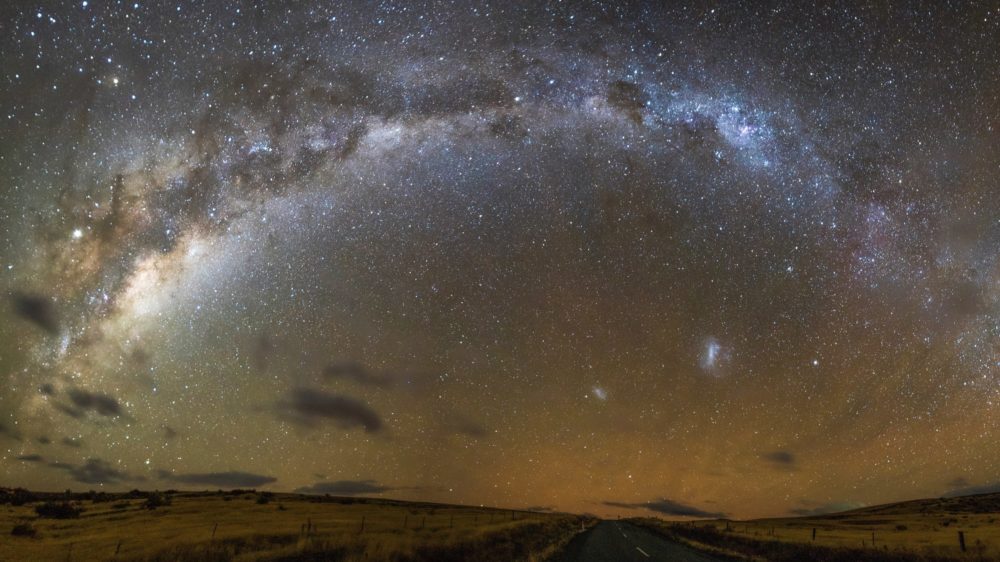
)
(288, 527)
(921, 528)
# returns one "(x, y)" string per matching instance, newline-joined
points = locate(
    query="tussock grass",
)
(920, 530)
(216, 526)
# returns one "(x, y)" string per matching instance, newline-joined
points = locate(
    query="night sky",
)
(717, 259)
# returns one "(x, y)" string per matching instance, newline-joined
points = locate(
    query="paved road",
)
(617, 541)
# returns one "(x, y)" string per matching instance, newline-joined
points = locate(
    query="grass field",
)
(240, 526)
(916, 530)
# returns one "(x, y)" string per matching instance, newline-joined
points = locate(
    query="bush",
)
(155, 500)
(23, 530)
(17, 496)
(58, 510)
(264, 498)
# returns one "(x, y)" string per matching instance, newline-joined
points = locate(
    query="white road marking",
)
(642, 551)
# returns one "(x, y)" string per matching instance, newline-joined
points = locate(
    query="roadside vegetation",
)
(244, 525)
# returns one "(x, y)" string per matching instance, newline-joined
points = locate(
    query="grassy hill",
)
(928, 529)
(247, 525)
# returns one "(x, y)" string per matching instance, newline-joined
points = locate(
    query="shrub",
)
(23, 530)
(155, 500)
(264, 498)
(58, 510)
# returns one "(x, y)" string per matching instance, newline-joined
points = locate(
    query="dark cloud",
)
(39, 310)
(94, 471)
(628, 97)
(833, 507)
(47, 389)
(169, 433)
(71, 442)
(30, 458)
(309, 407)
(43, 440)
(959, 482)
(965, 489)
(263, 348)
(356, 372)
(345, 488)
(667, 507)
(232, 479)
(463, 425)
(780, 458)
(359, 374)
(84, 401)
(9, 433)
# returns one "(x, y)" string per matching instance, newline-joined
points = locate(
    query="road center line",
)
(643, 552)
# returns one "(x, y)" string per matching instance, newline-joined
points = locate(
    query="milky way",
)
(610, 259)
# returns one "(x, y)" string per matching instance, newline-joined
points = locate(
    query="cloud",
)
(9, 433)
(309, 406)
(780, 458)
(94, 471)
(358, 373)
(39, 310)
(462, 425)
(84, 401)
(964, 489)
(71, 442)
(345, 488)
(833, 507)
(30, 458)
(667, 507)
(232, 479)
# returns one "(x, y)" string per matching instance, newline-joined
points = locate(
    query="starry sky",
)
(735, 258)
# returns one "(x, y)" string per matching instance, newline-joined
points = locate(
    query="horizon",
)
(626, 260)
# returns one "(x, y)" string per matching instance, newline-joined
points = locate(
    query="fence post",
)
(961, 540)
(814, 533)
(873, 538)
(362, 525)
(119, 547)
(214, 529)
(405, 517)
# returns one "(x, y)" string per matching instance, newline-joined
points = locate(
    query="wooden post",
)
(119, 547)
(424, 522)
(405, 517)
(214, 529)
(814, 533)
(873, 538)
(961, 540)
(451, 522)
(362, 525)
